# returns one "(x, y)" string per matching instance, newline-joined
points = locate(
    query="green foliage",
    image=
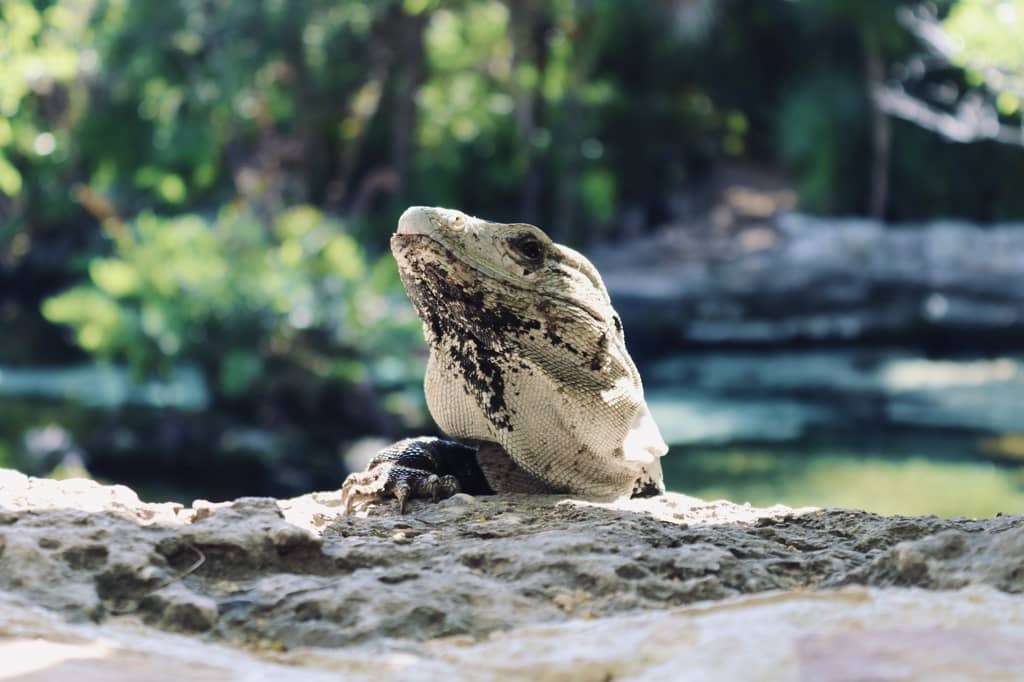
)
(41, 62)
(821, 141)
(986, 40)
(201, 87)
(235, 295)
(116, 116)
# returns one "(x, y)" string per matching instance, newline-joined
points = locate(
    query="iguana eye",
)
(529, 247)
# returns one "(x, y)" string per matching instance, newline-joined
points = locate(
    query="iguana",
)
(528, 370)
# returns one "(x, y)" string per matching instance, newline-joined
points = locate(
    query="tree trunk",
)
(530, 28)
(410, 76)
(881, 130)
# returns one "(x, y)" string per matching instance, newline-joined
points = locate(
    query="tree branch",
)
(973, 120)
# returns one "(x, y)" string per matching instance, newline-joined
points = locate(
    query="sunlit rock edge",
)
(95, 582)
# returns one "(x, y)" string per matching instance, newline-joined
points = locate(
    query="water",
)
(882, 430)
(103, 385)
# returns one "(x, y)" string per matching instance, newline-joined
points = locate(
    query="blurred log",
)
(946, 284)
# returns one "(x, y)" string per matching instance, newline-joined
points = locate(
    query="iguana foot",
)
(415, 468)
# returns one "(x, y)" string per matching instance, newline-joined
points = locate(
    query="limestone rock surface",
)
(503, 587)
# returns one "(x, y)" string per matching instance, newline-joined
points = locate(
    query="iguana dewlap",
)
(528, 368)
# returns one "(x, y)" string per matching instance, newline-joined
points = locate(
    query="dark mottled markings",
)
(552, 335)
(463, 320)
(601, 356)
(552, 331)
(645, 487)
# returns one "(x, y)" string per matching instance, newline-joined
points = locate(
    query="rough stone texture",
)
(851, 634)
(279, 576)
(820, 279)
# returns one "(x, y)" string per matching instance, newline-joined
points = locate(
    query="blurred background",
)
(810, 214)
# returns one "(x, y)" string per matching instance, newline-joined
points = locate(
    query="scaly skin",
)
(528, 364)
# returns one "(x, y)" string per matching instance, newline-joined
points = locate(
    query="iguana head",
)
(518, 256)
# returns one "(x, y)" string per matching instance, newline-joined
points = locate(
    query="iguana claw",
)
(415, 468)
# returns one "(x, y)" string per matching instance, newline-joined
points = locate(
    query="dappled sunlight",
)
(918, 373)
(20, 657)
(21, 492)
(711, 510)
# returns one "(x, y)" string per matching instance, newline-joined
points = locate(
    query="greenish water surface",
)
(887, 431)
(914, 481)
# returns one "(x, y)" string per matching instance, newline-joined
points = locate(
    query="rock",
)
(952, 559)
(819, 279)
(493, 587)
